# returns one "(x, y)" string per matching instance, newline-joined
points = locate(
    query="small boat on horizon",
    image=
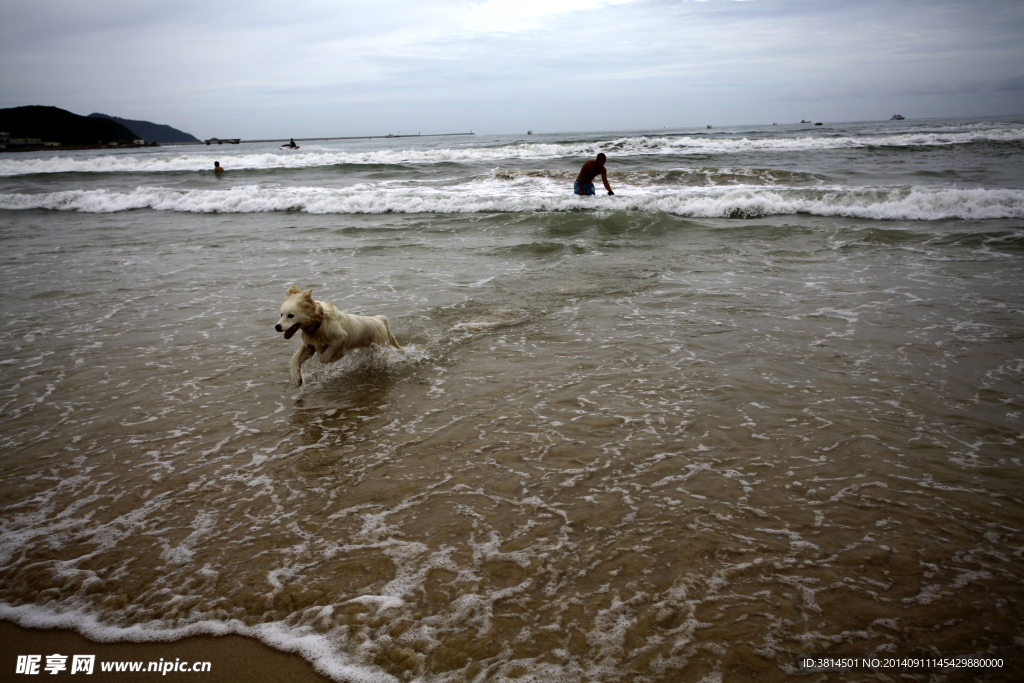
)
(896, 117)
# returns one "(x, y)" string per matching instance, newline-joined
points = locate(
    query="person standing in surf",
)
(584, 184)
(217, 168)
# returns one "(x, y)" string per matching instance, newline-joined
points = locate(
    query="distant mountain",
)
(150, 132)
(51, 124)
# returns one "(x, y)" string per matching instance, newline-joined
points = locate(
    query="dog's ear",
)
(308, 294)
(292, 290)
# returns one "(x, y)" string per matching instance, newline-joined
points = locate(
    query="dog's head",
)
(298, 310)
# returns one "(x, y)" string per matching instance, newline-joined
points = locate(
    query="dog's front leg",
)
(333, 352)
(304, 353)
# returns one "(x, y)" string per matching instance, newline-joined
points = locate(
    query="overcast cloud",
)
(309, 68)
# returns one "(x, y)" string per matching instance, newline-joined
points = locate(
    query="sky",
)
(308, 68)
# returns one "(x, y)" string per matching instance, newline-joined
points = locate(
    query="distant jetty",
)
(43, 128)
(237, 141)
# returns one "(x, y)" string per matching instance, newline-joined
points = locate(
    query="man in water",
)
(585, 180)
(217, 168)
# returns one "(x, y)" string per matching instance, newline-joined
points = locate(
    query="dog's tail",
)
(391, 337)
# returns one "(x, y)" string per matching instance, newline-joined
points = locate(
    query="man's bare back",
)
(590, 170)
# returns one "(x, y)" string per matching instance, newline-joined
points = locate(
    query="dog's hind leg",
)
(391, 337)
(304, 353)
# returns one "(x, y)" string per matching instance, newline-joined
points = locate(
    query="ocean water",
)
(766, 402)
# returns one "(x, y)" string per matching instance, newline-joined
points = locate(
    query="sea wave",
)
(692, 176)
(684, 145)
(905, 203)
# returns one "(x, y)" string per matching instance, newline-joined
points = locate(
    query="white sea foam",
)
(917, 203)
(621, 147)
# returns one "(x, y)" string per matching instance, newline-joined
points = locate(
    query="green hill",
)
(51, 124)
(150, 132)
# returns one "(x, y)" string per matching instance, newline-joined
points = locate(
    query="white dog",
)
(327, 331)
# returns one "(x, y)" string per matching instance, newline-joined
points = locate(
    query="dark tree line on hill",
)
(52, 124)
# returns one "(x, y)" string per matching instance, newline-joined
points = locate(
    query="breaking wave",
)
(913, 203)
(699, 144)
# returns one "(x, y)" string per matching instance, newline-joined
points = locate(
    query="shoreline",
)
(44, 148)
(210, 143)
(232, 657)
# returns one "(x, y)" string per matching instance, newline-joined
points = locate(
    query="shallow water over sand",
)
(618, 446)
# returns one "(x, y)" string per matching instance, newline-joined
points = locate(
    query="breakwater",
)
(349, 137)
